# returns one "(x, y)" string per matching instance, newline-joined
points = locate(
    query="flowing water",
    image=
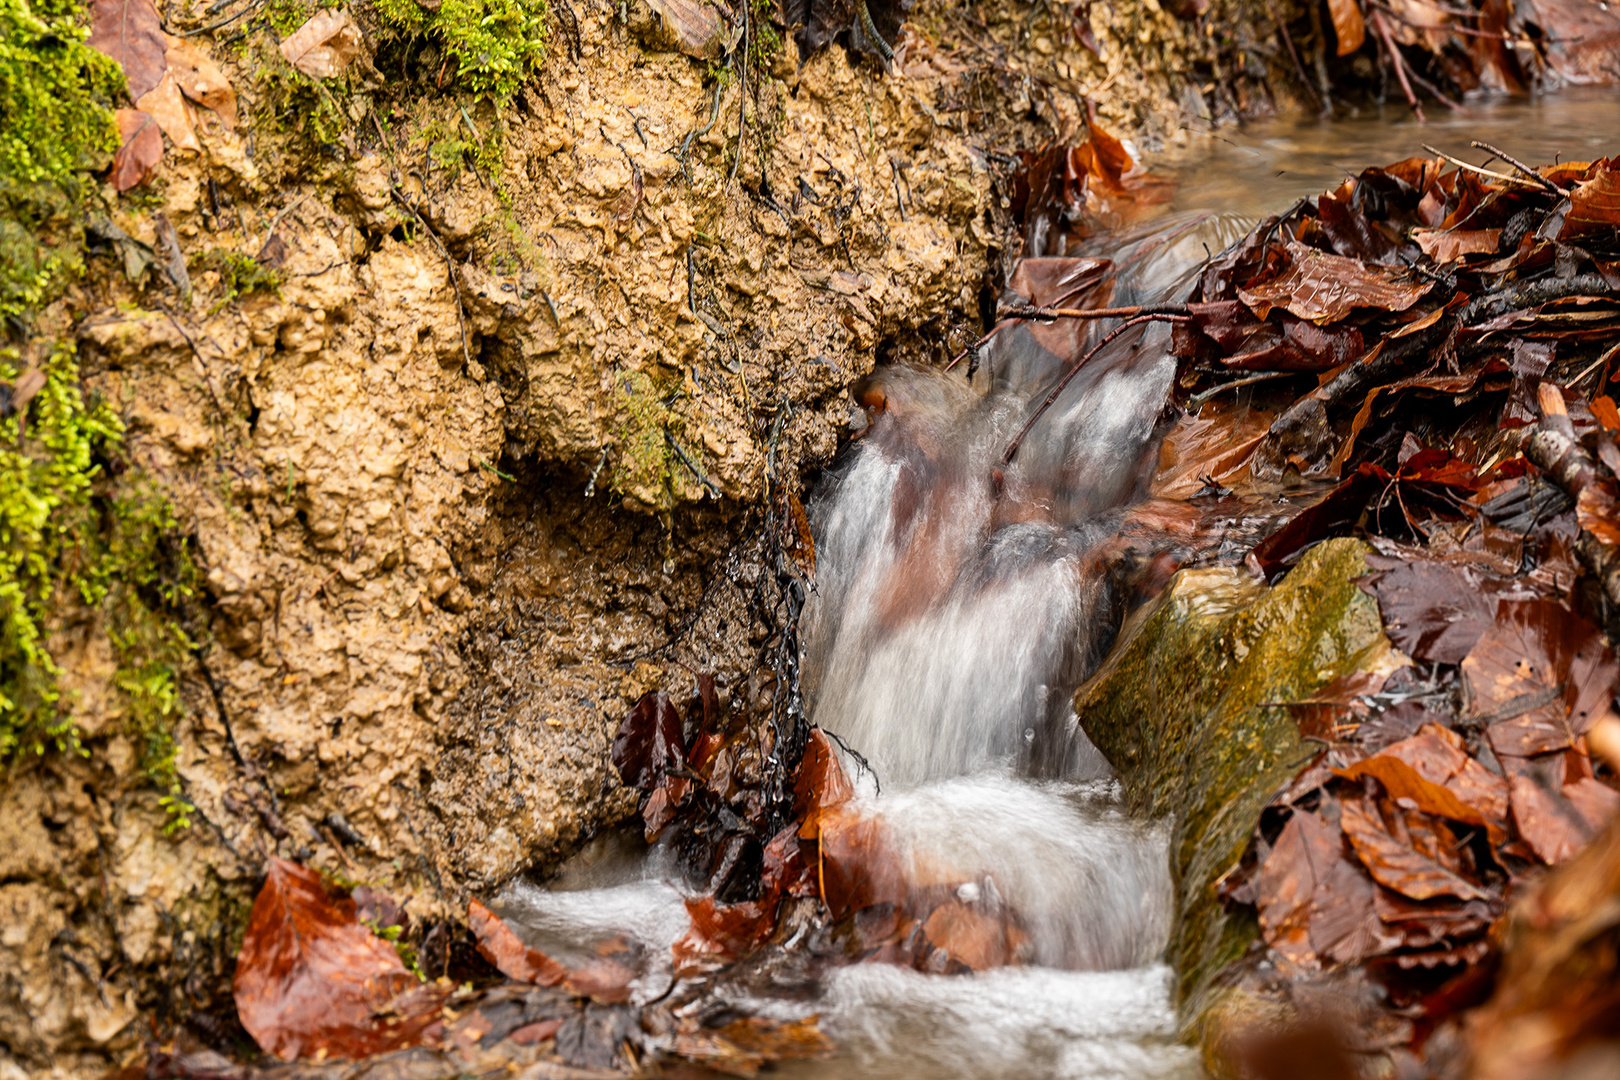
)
(957, 608)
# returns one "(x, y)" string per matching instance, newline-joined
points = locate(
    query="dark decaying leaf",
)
(1432, 610)
(1334, 515)
(500, 945)
(1395, 865)
(141, 151)
(798, 542)
(311, 979)
(1546, 820)
(131, 32)
(650, 740)
(590, 1039)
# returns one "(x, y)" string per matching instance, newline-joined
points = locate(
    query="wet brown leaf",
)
(649, 742)
(1396, 866)
(141, 151)
(1348, 26)
(1432, 610)
(603, 979)
(1286, 885)
(797, 540)
(1444, 246)
(324, 46)
(312, 979)
(1325, 288)
(972, 938)
(131, 32)
(1432, 771)
(820, 786)
(857, 864)
(695, 27)
(500, 945)
(721, 933)
(1546, 820)
(1594, 206)
(1541, 674)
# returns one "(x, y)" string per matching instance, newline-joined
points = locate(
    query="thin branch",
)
(1074, 369)
(1535, 177)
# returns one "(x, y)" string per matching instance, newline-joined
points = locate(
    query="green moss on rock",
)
(1186, 709)
(54, 129)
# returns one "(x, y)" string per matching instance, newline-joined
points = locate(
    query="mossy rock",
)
(1186, 709)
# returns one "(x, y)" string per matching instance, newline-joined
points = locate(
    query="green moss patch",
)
(54, 130)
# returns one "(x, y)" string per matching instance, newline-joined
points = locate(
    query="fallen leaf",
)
(1594, 208)
(1348, 26)
(696, 27)
(165, 105)
(1546, 820)
(131, 32)
(201, 80)
(1432, 610)
(1540, 675)
(1324, 288)
(311, 979)
(1406, 785)
(649, 741)
(797, 540)
(1396, 866)
(324, 46)
(857, 866)
(604, 980)
(1286, 885)
(820, 785)
(141, 151)
(1449, 245)
(972, 938)
(1595, 801)
(500, 945)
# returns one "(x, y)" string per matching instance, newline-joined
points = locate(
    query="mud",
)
(485, 466)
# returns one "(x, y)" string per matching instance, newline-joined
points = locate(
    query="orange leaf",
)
(310, 978)
(1348, 25)
(501, 946)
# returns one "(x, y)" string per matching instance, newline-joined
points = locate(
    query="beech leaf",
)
(131, 32)
(1348, 25)
(201, 80)
(141, 151)
(1324, 288)
(500, 945)
(168, 108)
(324, 46)
(310, 978)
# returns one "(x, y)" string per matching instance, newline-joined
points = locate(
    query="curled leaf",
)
(324, 46)
(141, 151)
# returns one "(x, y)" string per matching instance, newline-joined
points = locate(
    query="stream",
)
(949, 628)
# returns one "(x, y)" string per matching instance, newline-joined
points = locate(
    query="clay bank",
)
(637, 466)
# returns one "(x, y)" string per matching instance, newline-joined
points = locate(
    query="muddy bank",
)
(376, 367)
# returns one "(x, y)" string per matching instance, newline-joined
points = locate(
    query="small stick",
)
(1074, 369)
(1198, 399)
(1461, 164)
(1536, 177)
(1384, 35)
(1019, 314)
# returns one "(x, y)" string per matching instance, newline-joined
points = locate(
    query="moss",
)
(241, 275)
(491, 46)
(643, 463)
(72, 533)
(56, 129)
(1186, 710)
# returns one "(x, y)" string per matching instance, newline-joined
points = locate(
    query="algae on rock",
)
(1187, 710)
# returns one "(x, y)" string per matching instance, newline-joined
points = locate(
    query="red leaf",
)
(141, 151)
(650, 740)
(1348, 26)
(1433, 772)
(310, 978)
(1432, 610)
(501, 946)
(1546, 820)
(820, 785)
(131, 32)
(971, 937)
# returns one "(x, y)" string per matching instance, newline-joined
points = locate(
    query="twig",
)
(1593, 366)
(714, 489)
(698, 133)
(222, 23)
(1461, 164)
(1436, 92)
(1384, 35)
(1198, 399)
(1074, 369)
(1535, 177)
(742, 93)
